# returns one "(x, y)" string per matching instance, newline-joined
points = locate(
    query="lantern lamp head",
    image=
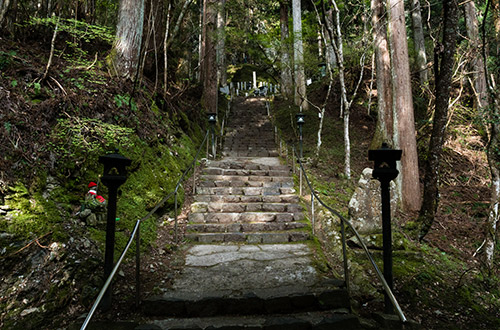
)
(115, 171)
(300, 119)
(385, 159)
(212, 117)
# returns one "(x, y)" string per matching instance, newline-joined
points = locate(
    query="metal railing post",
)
(344, 253)
(300, 181)
(208, 142)
(138, 268)
(312, 213)
(175, 217)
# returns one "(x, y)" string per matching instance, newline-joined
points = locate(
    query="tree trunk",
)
(201, 40)
(493, 214)
(209, 62)
(384, 128)
(286, 64)
(404, 123)
(127, 46)
(165, 50)
(298, 55)
(494, 131)
(4, 6)
(419, 41)
(443, 88)
(221, 44)
(476, 63)
(331, 59)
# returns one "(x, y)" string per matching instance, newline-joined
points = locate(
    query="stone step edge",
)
(244, 173)
(275, 208)
(249, 198)
(338, 319)
(245, 178)
(272, 237)
(246, 217)
(231, 227)
(245, 191)
(247, 304)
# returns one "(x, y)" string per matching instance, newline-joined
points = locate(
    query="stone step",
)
(244, 227)
(284, 198)
(244, 217)
(250, 238)
(299, 321)
(208, 177)
(248, 144)
(245, 172)
(246, 183)
(322, 320)
(263, 302)
(260, 153)
(247, 191)
(266, 163)
(202, 207)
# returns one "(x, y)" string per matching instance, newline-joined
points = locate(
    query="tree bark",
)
(221, 44)
(477, 63)
(443, 88)
(4, 6)
(331, 58)
(404, 123)
(127, 46)
(384, 128)
(298, 54)
(286, 64)
(419, 41)
(494, 132)
(209, 100)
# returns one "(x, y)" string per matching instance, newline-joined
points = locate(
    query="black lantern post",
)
(385, 170)
(212, 119)
(115, 174)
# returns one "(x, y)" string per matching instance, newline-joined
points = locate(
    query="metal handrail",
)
(344, 221)
(136, 234)
(387, 289)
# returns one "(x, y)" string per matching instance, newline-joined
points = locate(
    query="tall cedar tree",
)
(404, 122)
(443, 88)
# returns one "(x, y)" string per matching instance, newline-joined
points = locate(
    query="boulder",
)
(365, 206)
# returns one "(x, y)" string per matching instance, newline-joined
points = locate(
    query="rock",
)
(29, 311)
(365, 206)
(85, 213)
(91, 220)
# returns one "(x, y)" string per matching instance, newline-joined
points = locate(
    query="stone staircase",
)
(250, 264)
(248, 196)
(246, 200)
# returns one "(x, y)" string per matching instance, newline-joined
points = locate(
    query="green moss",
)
(31, 215)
